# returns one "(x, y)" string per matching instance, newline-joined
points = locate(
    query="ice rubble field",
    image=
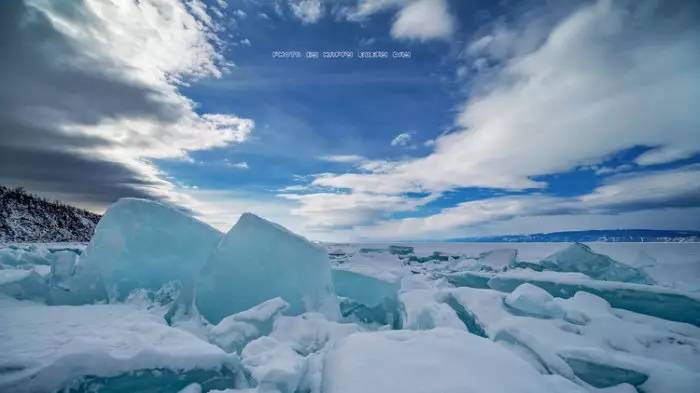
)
(160, 302)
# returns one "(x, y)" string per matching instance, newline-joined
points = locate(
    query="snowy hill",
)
(609, 235)
(28, 218)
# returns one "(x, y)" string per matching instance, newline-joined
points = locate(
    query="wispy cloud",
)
(402, 139)
(345, 158)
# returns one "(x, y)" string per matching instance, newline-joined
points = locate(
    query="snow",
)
(530, 299)
(426, 309)
(258, 260)
(192, 388)
(427, 361)
(274, 365)
(235, 331)
(145, 244)
(310, 332)
(666, 352)
(42, 348)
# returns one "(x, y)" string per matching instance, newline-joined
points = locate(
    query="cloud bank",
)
(90, 96)
(607, 77)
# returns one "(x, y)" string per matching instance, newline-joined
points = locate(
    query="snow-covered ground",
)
(280, 314)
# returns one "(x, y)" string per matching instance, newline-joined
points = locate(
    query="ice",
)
(192, 388)
(63, 265)
(628, 344)
(44, 348)
(367, 293)
(469, 279)
(498, 259)
(653, 300)
(580, 258)
(83, 287)
(25, 254)
(273, 365)
(579, 331)
(310, 332)
(427, 309)
(235, 331)
(145, 244)
(310, 335)
(426, 361)
(23, 284)
(530, 299)
(258, 260)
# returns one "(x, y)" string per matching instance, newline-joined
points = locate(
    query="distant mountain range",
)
(605, 235)
(28, 218)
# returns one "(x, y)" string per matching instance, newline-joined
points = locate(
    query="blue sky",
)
(509, 117)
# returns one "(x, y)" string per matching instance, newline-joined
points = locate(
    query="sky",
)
(451, 118)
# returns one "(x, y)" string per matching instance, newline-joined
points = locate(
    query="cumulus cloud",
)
(420, 20)
(307, 11)
(423, 20)
(98, 100)
(606, 77)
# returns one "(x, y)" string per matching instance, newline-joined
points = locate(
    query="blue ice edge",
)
(651, 300)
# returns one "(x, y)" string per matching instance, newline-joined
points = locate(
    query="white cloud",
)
(307, 11)
(245, 42)
(237, 165)
(424, 20)
(147, 48)
(421, 20)
(672, 189)
(326, 211)
(240, 14)
(590, 90)
(607, 77)
(345, 158)
(222, 208)
(402, 139)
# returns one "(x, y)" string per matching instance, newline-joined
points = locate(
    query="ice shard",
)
(258, 260)
(580, 258)
(145, 244)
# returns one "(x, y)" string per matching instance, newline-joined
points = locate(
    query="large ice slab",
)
(368, 294)
(43, 348)
(580, 258)
(145, 244)
(258, 260)
(426, 361)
